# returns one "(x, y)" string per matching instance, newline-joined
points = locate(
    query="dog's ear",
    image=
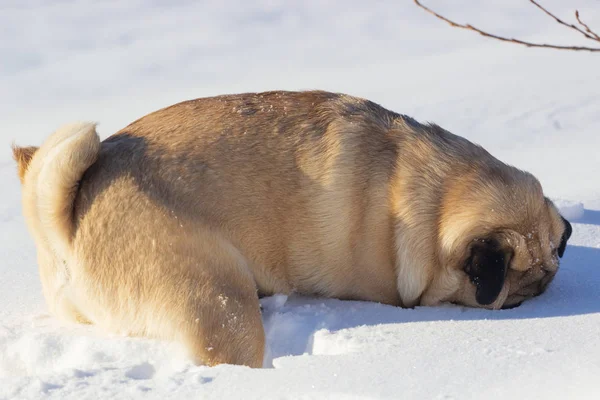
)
(486, 267)
(23, 156)
(565, 237)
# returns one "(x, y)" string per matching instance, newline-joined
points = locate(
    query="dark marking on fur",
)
(487, 268)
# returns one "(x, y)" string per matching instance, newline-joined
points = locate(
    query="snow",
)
(113, 61)
(571, 210)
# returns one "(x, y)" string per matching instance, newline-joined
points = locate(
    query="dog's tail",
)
(56, 169)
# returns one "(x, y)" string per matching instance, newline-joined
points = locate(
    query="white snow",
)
(114, 61)
(571, 210)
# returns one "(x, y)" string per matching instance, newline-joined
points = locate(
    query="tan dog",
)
(173, 227)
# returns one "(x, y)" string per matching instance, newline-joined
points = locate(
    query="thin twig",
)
(560, 21)
(587, 28)
(504, 39)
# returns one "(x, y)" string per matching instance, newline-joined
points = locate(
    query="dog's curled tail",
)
(56, 169)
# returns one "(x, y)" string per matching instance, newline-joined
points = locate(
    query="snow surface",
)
(114, 61)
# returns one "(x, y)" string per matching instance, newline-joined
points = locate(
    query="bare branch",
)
(560, 21)
(587, 28)
(522, 42)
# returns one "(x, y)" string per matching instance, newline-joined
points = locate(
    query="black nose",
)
(568, 228)
(565, 237)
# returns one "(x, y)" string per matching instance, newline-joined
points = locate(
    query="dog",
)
(176, 225)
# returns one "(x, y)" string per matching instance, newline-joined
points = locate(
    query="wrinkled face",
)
(507, 266)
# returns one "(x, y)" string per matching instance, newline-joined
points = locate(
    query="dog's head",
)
(503, 241)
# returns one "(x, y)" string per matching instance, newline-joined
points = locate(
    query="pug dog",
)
(176, 225)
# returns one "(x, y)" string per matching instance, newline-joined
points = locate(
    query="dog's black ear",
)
(565, 237)
(486, 267)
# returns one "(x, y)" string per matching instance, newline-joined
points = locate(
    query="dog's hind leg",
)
(139, 269)
(190, 286)
(221, 319)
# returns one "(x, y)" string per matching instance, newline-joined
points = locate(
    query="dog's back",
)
(293, 180)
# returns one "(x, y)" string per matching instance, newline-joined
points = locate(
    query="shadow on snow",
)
(575, 291)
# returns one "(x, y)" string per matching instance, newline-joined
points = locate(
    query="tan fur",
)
(49, 188)
(174, 226)
(23, 156)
